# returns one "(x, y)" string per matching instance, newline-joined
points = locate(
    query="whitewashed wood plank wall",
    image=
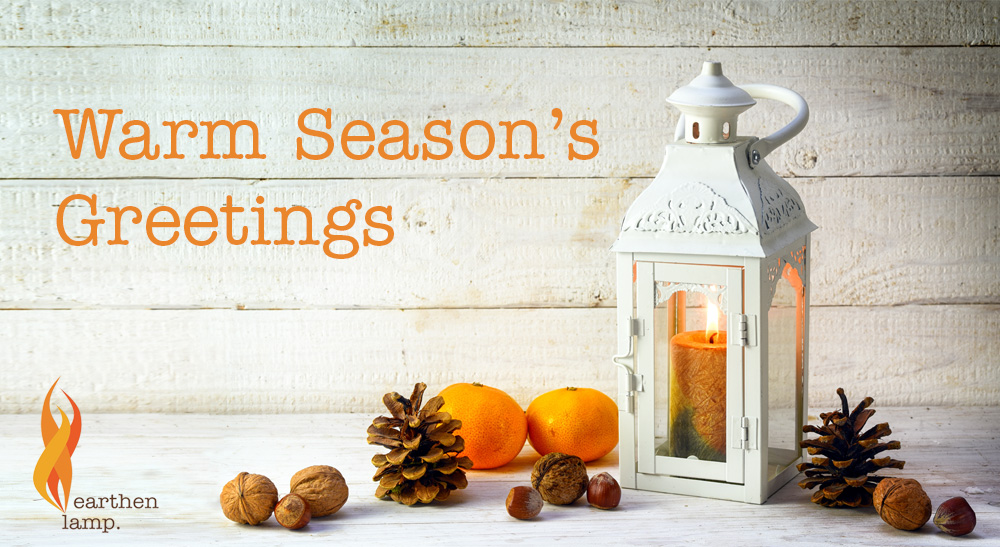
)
(500, 270)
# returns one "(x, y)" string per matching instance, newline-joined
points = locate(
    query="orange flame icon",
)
(54, 465)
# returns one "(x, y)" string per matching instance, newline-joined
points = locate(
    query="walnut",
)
(902, 503)
(323, 487)
(560, 478)
(248, 499)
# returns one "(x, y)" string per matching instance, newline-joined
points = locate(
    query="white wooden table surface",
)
(184, 460)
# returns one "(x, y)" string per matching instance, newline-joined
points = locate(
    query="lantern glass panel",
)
(784, 372)
(689, 323)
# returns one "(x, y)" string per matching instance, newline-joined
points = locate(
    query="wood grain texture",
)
(892, 241)
(184, 460)
(475, 244)
(898, 166)
(875, 111)
(298, 360)
(228, 361)
(482, 23)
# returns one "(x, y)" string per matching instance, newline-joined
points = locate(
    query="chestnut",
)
(955, 517)
(292, 512)
(603, 492)
(524, 502)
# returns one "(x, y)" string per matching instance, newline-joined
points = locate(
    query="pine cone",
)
(423, 464)
(843, 470)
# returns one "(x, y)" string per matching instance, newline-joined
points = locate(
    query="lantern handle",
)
(762, 147)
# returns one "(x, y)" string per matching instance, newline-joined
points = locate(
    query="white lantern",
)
(713, 293)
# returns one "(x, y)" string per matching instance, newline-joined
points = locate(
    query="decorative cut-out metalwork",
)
(775, 268)
(694, 208)
(666, 289)
(779, 208)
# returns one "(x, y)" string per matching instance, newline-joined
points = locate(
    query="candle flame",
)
(712, 325)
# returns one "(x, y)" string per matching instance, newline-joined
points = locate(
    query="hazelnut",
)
(248, 499)
(292, 512)
(323, 487)
(902, 503)
(603, 492)
(524, 502)
(560, 478)
(955, 517)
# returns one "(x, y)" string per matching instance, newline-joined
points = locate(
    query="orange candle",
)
(698, 395)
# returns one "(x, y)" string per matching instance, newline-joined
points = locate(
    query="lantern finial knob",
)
(710, 104)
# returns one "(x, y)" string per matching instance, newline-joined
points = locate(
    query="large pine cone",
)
(845, 458)
(423, 465)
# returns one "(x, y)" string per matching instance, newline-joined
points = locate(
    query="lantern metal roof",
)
(708, 199)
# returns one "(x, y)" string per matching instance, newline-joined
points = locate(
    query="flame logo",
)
(54, 465)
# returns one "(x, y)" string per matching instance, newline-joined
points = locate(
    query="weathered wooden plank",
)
(512, 24)
(906, 354)
(302, 360)
(473, 243)
(226, 361)
(184, 460)
(875, 111)
(904, 241)
(913, 425)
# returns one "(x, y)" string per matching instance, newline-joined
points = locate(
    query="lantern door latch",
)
(634, 381)
(745, 329)
(744, 433)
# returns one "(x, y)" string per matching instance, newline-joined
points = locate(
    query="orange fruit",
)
(580, 421)
(493, 424)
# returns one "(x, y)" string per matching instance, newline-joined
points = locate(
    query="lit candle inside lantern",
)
(698, 391)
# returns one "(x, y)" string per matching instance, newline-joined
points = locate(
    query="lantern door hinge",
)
(638, 327)
(635, 385)
(635, 380)
(744, 433)
(745, 329)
